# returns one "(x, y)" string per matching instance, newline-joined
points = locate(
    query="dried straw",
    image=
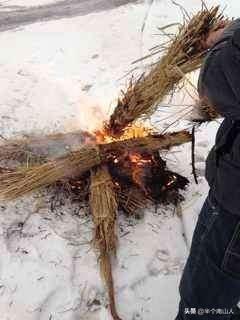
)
(132, 200)
(184, 54)
(149, 143)
(18, 183)
(103, 206)
(204, 111)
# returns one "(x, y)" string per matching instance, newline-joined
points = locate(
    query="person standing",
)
(210, 284)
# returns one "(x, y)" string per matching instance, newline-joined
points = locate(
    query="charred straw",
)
(132, 199)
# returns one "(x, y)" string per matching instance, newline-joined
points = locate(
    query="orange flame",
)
(138, 159)
(135, 131)
(139, 163)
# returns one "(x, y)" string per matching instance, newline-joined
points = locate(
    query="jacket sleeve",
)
(221, 80)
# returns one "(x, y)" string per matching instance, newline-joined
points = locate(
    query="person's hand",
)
(214, 35)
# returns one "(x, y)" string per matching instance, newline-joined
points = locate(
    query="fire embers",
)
(148, 172)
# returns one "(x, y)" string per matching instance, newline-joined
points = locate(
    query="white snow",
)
(13, 4)
(56, 76)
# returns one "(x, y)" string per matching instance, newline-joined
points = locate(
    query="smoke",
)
(89, 115)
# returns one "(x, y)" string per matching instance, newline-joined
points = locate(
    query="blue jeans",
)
(210, 284)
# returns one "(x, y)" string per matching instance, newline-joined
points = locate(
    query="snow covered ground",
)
(56, 76)
(23, 3)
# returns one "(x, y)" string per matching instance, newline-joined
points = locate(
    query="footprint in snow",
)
(163, 263)
(203, 144)
(137, 316)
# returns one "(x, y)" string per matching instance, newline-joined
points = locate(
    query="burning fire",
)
(135, 131)
(143, 169)
(139, 160)
(140, 164)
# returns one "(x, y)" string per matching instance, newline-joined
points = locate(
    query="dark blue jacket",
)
(219, 80)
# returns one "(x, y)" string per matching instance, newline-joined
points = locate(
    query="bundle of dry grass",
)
(183, 55)
(17, 183)
(103, 206)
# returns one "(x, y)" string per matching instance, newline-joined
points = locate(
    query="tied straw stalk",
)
(184, 54)
(25, 180)
(103, 204)
(18, 183)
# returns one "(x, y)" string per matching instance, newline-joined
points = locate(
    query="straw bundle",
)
(103, 206)
(149, 143)
(18, 183)
(183, 55)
